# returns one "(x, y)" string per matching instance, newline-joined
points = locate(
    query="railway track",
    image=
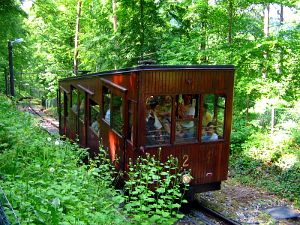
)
(197, 214)
(46, 122)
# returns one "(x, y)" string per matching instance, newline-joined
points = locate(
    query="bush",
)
(44, 181)
(154, 192)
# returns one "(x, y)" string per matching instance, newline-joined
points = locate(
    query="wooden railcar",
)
(137, 110)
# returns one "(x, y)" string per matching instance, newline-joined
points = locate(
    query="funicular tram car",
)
(184, 110)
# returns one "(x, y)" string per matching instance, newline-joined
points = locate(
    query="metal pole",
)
(11, 69)
(6, 81)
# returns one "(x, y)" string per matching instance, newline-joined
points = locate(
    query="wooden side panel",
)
(170, 82)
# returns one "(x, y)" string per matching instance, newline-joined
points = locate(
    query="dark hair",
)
(211, 123)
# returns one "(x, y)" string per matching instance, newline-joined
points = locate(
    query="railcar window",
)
(62, 111)
(187, 107)
(74, 101)
(158, 119)
(94, 117)
(213, 117)
(116, 113)
(106, 104)
(130, 120)
(82, 106)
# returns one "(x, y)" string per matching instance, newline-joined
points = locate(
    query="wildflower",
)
(56, 202)
(56, 142)
(49, 139)
(51, 170)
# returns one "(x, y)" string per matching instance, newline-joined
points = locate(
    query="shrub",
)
(154, 192)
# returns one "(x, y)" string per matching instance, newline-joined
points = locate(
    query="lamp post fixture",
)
(10, 63)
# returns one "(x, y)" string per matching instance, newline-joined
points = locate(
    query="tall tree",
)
(77, 29)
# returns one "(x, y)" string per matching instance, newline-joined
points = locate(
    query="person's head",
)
(187, 99)
(210, 128)
(153, 103)
(168, 100)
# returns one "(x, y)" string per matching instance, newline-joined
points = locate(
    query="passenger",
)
(95, 124)
(210, 134)
(187, 111)
(164, 113)
(74, 108)
(107, 116)
(153, 125)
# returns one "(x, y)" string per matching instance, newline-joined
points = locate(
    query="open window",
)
(158, 119)
(81, 106)
(186, 124)
(94, 117)
(213, 117)
(130, 120)
(74, 100)
(106, 104)
(113, 110)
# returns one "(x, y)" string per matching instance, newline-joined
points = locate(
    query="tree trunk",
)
(142, 37)
(114, 7)
(266, 31)
(203, 32)
(281, 50)
(230, 16)
(77, 37)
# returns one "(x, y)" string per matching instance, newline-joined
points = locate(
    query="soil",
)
(247, 205)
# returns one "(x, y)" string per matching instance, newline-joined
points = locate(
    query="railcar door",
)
(113, 128)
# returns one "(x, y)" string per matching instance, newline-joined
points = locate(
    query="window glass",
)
(106, 104)
(61, 106)
(187, 107)
(158, 119)
(94, 116)
(68, 99)
(116, 113)
(82, 106)
(130, 121)
(74, 101)
(213, 117)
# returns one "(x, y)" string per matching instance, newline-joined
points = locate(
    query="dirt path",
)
(247, 205)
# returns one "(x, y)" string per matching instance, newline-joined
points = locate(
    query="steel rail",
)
(215, 214)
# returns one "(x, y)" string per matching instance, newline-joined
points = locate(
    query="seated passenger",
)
(107, 116)
(74, 108)
(187, 112)
(153, 125)
(164, 112)
(210, 134)
(95, 124)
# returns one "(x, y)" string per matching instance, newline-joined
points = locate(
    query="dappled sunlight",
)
(287, 161)
(112, 146)
(279, 139)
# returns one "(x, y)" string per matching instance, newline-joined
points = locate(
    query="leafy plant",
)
(153, 190)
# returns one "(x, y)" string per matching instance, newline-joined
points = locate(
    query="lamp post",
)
(10, 63)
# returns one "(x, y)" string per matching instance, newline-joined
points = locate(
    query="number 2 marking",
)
(185, 161)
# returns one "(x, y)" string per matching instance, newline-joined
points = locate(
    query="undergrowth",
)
(46, 182)
(268, 160)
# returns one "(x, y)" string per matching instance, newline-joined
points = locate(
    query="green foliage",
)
(47, 183)
(269, 160)
(44, 181)
(154, 192)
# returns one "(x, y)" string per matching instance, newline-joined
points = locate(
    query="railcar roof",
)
(154, 68)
